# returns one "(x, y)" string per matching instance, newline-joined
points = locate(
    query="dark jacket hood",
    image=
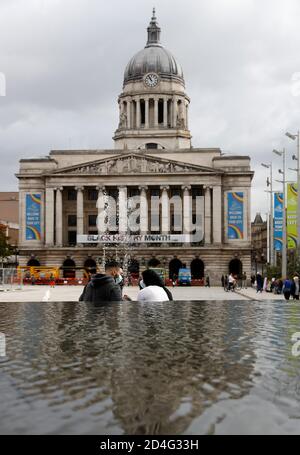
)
(102, 280)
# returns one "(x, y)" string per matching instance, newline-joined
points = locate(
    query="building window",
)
(92, 220)
(72, 220)
(176, 192)
(133, 192)
(143, 112)
(72, 237)
(92, 194)
(161, 111)
(155, 192)
(196, 191)
(151, 145)
(72, 195)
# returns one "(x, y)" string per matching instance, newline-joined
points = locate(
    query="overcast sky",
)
(63, 61)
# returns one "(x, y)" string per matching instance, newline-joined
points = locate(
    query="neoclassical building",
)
(63, 196)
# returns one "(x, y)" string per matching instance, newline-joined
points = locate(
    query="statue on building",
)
(123, 120)
(180, 122)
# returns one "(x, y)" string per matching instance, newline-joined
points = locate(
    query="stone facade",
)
(152, 155)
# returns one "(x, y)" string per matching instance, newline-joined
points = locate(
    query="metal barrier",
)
(10, 279)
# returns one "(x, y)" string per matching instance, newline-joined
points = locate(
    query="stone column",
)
(59, 217)
(165, 209)
(155, 112)
(165, 112)
(217, 215)
(143, 210)
(22, 217)
(174, 105)
(49, 217)
(138, 113)
(187, 116)
(101, 225)
(128, 114)
(207, 215)
(146, 112)
(80, 210)
(187, 210)
(122, 209)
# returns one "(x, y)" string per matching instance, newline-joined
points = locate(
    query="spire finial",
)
(153, 30)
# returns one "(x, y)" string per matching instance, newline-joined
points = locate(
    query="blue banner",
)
(235, 218)
(33, 217)
(278, 221)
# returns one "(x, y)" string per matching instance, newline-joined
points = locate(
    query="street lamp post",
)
(271, 222)
(297, 158)
(283, 181)
(262, 263)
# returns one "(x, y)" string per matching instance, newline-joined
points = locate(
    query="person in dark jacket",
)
(223, 281)
(259, 282)
(103, 287)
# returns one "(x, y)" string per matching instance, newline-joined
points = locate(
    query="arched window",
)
(151, 145)
(153, 262)
(69, 268)
(33, 263)
(236, 267)
(90, 266)
(174, 266)
(197, 269)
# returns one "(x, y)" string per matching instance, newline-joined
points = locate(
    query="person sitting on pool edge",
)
(153, 288)
(103, 287)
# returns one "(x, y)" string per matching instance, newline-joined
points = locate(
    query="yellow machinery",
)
(39, 272)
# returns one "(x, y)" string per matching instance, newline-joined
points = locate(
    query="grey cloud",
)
(64, 64)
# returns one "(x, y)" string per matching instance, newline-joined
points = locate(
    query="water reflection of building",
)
(153, 369)
(152, 156)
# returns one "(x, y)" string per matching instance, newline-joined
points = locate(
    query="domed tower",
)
(153, 105)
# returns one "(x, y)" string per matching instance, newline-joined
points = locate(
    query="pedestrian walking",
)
(287, 288)
(244, 280)
(174, 279)
(226, 284)
(231, 282)
(259, 283)
(52, 281)
(295, 288)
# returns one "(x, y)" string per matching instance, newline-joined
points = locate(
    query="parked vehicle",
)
(184, 277)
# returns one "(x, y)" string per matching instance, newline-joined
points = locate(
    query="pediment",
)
(134, 163)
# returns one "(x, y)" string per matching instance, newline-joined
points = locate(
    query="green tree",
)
(6, 249)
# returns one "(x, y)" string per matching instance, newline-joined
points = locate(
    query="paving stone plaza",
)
(72, 293)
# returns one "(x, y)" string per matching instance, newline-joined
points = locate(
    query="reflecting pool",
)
(153, 368)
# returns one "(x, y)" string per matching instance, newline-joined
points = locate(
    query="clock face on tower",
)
(151, 80)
